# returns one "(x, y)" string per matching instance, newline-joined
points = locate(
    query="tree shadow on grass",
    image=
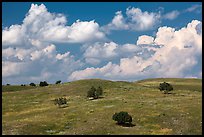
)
(126, 124)
(91, 98)
(63, 106)
(171, 93)
(100, 97)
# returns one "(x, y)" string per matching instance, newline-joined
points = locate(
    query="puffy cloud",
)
(171, 15)
(180, 53)
(108, 50)
(6, 53)
(14, 35)
(28, 54)
(62, 56)
(128, 48)
(36, 55)
(36, 64)
(18, 54)
(103, 52)
(100, 51)
(135, 20)
(84, 32)
(144, 39)
(12, 68)
(164, 35)
(142, 20)
(118, 22)
(41, 25)
(104, 72)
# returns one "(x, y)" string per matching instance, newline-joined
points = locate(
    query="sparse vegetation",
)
(91, 92)
(99, 90)
(60, 101)
(122, 118)
(31, 110)
(42, 84)
(95, 93)
(32, 84)
(58, 82)
(166, 87)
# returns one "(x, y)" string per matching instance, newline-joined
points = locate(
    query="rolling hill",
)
(32, 111)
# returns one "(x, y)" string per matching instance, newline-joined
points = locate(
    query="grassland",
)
(32, 111)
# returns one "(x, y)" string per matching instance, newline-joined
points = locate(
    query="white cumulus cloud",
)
(28, 52)
(179, 53)
(39, 24)
(135, 19)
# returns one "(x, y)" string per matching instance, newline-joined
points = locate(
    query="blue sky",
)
(44, 40)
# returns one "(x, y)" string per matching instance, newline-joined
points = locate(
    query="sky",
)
(130, 41)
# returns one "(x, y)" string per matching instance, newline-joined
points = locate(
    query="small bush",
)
(42, 84)
(99, 90)
(95, 93)
(58, 82)
(166, 87)
(23, 85)
(32, 84)
(91, 92)
(8, 84)
(60, 101)
(122, 118)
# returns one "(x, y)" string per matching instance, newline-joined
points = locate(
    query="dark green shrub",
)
(99, 90)
(58, 82)
(91, 92)
(60, 101)
(43, 84)
(122, 118)
(8, 84)
(32, 84)
(95, 93)
(23, 85)
(166, 87)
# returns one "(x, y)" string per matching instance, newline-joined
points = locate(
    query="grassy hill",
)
(32, 111)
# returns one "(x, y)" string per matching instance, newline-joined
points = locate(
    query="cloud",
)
(164, 35)
(14, 35)
(8, 68)
(135, 20)
(118, 23)
(84, 32)
(106, 71)
(103, 52)
(142, 20)
(179, 52)
(144, 39)
(175, 13)
(39, 24)
(35, 65)
(28, 52)
(100, 51)
(171, 15)
(196, 8)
